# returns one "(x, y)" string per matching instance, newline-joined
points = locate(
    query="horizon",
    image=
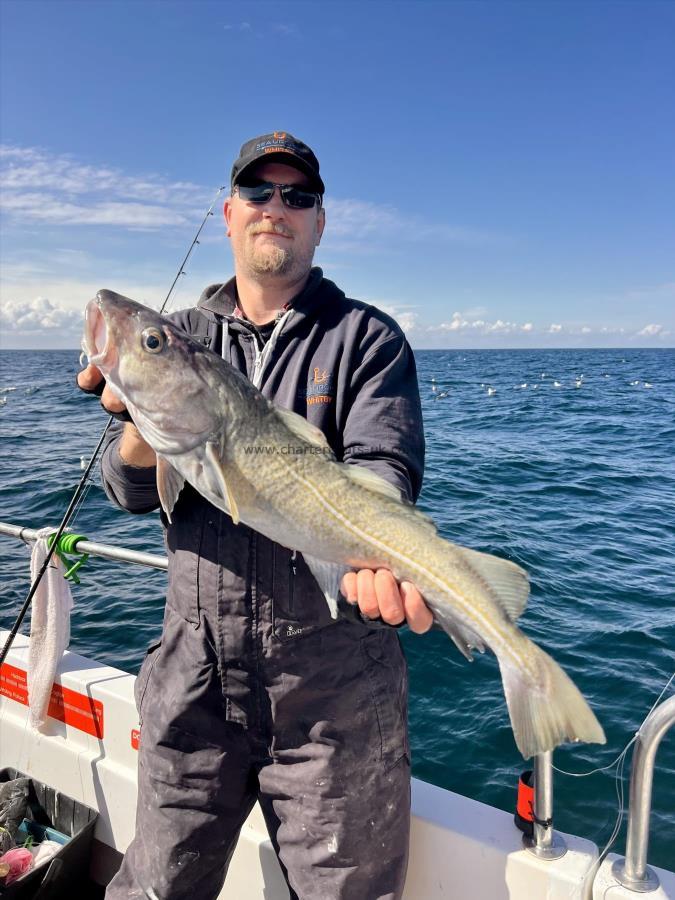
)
(458, 349)
(504, 180)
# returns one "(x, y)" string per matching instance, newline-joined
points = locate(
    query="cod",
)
(272, 470)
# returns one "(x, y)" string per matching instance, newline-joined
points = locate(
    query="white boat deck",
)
(460, 848)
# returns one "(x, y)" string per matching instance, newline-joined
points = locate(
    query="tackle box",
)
(51, 812)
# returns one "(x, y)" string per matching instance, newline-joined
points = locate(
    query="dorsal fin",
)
(370, 480)
(507, 581)
(305, 430)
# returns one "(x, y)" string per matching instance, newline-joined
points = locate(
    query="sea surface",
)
(563, 461)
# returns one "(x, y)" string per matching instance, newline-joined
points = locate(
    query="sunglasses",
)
(291, 195)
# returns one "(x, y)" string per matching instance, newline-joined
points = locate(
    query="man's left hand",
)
(379, 595)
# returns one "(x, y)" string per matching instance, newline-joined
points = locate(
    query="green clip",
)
(67, 544)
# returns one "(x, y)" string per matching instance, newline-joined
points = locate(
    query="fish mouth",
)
(95, 342)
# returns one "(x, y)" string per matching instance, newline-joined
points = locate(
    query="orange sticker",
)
(135, 735)
(77, 710)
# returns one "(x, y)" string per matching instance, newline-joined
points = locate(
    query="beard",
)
(271, 260)
(275, 259)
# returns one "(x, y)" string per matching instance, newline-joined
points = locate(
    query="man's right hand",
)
(89, 379)
(133, 450)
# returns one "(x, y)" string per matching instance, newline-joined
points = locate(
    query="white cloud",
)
(39, 316)
(48, 208)
(499, 332)
(407, 321)
(32, 319)
(44, 187)
(355, 220)
(463, 323)
(651, 330)
(285, 29)
(71, 296)
(358, 218)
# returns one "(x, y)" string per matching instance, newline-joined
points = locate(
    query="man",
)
(254, 692)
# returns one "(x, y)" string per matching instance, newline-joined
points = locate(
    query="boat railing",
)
(92, 549)
(633, 872)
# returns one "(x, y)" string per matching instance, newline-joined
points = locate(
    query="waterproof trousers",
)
(314, 728)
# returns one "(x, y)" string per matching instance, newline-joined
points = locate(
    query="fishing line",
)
(618, 786)
(78, 496)
(630, 742)
(80, 503)
(619, 762)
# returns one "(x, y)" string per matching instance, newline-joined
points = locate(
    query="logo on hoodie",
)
(320, 388)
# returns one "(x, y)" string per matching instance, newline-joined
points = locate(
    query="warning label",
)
(75, 709)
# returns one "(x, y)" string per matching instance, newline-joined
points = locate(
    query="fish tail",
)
(545, 706)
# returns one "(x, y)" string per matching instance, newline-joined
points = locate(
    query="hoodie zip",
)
(262, 356)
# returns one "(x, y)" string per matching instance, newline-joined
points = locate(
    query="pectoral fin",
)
(216, 466)
(169, 485)
(463, 636)
(329, 576)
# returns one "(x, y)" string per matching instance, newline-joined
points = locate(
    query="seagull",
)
(491, 391)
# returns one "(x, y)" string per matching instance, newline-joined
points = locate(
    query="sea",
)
(561, 460)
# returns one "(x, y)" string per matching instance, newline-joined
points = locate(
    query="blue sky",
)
(499, 174)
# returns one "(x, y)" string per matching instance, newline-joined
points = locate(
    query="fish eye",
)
(152, 340)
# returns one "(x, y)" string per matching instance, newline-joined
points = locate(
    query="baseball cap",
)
(279, 146)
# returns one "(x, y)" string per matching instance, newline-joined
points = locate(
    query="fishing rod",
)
(83, 480)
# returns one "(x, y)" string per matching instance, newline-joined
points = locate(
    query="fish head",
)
(154, 367)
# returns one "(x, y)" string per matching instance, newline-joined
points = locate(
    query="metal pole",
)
(544, 843)
(543, 800)
(93, 549)
(633, 872)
